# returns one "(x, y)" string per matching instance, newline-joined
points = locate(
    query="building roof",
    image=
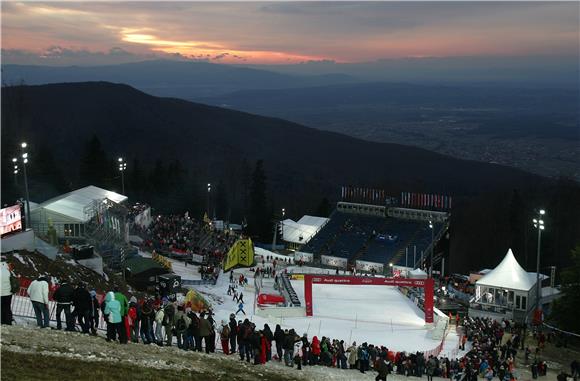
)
(509, 275)
(73, 204)
(138, 265)
(303, 230)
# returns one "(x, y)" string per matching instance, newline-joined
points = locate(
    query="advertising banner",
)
(10, 220)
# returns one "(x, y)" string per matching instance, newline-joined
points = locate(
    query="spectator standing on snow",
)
(352, 355)
(169, 314)
(38, 292)
(182, 321)
(269, 337)
(159, 325)
(94, 313)
(363, 357)
(431, 365)
(82, 301)
(112, 312)
(122, 299)
(204, 332)
(241, 297)
(146, 319)
(63, 297)
(10, 286)
(233, 333)
(224, 332)
(383, 367)
(133, 317)
(279, 338)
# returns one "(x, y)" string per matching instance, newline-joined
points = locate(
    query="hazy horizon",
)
(280, 33)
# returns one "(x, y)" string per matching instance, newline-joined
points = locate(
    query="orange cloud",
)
(210, 50)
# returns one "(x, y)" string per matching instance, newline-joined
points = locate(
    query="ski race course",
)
(377, 315)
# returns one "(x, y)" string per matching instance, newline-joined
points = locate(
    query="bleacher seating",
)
(373, 239)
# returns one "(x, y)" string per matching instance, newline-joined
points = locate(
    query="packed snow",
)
(374, 314)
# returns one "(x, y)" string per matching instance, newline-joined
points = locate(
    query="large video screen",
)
(10, 220)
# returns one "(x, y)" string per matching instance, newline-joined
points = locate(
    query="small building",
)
(142, 273)
(508, 291)
(70, 212)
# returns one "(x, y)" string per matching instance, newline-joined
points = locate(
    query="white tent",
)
(417, 274)
(509, 275)
(300, 232)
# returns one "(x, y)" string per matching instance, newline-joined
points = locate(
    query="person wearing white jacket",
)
(159, 325)
(38, 292)
(6, 292)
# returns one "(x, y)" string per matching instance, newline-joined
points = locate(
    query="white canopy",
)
(418, 274)
(72, 204)
(303, 230)
(509, 275)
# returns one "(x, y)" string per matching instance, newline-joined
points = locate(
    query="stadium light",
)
(122, 168)
(538, 224)
(208, 199)
(24, 156)
(432, 248)
(283, 212)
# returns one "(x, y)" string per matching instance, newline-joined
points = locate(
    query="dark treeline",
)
(258, 165)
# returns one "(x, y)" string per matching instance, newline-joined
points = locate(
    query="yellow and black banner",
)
(241, 253)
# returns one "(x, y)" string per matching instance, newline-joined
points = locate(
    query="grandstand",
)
(368, 236)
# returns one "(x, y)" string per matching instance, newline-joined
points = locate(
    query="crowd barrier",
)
(22, 307)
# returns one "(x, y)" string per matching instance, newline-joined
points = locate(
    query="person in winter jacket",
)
(363, 357)
(122, 299)
(289, 342)
(182, 322)
(382, 366)
(159, 325)
(224, 332)
(279, 338)
(168, 316)
(431, 366)
(63, 298)
(82, 302)
(352, 355)
(212, 335)
(315, 351)
(7, 289)
(233, 333)
(114, 320)
(204, 331)
(94, 314)
(146, 320)
(264, 348)
(244, 334)
(38, 292)
(269, 337)
(133, 317)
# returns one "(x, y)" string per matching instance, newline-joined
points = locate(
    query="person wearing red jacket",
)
(263, 348)
(315, 351)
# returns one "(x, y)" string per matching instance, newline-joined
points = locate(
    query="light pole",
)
(122, 168)
(391, 267)
(538, 224)
(431, 259)
(15, 161)
(23, 145)
(208, 195)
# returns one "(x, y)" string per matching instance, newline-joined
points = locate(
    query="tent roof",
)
(306, 227)
(72, 204)
(510, 275)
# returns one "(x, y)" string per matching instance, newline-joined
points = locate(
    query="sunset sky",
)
(105, 33)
